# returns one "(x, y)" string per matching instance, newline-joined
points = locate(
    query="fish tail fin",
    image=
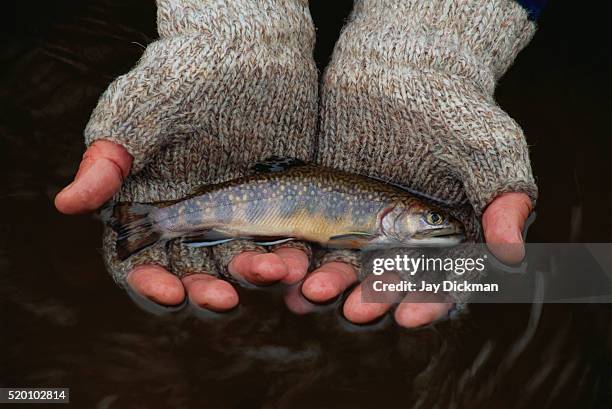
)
(134, 228)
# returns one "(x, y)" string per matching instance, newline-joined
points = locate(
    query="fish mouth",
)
(440, 239)
(444, 236)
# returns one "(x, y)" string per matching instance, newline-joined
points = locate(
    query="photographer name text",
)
(406, 265)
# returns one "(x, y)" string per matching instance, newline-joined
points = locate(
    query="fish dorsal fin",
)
(276, 164)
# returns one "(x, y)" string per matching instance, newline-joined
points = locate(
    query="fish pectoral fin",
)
(207, 243)
(356, 239)
(207, 238)
(271, 241)
(276, 164)
(213, 237)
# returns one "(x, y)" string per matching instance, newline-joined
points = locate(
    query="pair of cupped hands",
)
(105, 166)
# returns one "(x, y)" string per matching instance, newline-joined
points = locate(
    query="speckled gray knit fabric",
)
(408, 97)
(227, 84)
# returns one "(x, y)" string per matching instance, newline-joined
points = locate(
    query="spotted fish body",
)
(307, 202)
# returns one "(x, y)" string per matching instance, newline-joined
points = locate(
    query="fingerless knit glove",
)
(408, 97)
(227, 84)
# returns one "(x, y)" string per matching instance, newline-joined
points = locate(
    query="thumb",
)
(503, 222)
(100, 175)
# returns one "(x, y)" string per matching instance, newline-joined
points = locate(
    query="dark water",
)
(64, 323)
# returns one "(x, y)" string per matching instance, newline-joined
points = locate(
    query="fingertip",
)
(62, 201)
(359, 312)
(503, 222)
(350, 308)
(328, 281)
(296, 302)
(414, 315)
(296, 261)
(268, 268)
(322, 286)
(508, 211)
(505, 241)
(258, 268)
(210, 292)
(92, 189)
(100, 175)
(157, 284)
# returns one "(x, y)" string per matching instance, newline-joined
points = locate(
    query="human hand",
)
(101, 173)
(203, 104)
(408, 97)
(503, 223)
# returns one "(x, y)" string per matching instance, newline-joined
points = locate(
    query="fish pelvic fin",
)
(134, 228)
(352, 240)
(214, 237)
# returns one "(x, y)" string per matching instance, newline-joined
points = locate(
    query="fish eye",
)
(435, 219)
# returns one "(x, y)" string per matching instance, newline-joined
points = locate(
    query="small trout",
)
(296, 202)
